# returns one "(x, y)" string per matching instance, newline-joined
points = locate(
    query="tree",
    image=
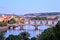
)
(51, 33)
(33, 38)
(24, 35)
(21, 36)
(47, 35)
(3, 24)
(1, 35)
(57, 31)
(12, 21)
(13, 37)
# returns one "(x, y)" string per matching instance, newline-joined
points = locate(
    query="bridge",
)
(34, 23)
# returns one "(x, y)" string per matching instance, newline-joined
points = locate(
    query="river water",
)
(29, 29)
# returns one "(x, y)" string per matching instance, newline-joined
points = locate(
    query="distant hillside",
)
(43, 14)
(37, 14)
(50, 14)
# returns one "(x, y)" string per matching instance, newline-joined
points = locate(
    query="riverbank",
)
(3, 28)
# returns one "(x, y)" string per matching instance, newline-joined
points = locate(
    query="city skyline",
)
(21, 7)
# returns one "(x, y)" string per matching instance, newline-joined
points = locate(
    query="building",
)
(6, 18)
(1, 19)
(51, 17)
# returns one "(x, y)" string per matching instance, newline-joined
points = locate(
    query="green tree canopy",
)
(13, 37)
(21, 36)
(12, 21)
(51, 33)
(24, 35)
(3, 24)
(33, 38)
(2, 35)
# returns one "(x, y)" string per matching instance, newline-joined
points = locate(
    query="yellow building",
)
(1, 19)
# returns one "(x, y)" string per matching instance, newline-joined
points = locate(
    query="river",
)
(29, 29)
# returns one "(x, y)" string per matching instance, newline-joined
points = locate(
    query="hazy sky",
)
(21, 7)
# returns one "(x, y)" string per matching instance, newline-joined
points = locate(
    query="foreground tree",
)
(21, 36)
(47, 35)
(33, 38)
(51, 33)
(24, 35)
(2, 35)
(13, 37)
(57, 31)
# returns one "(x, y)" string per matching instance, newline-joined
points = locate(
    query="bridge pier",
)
(52, 21)
(46, 21)
(37, 33)
(21, 28)
(53, 24)
(41, 22)
(9, 28)
(12, 28)
(36, 27)
(29, 22)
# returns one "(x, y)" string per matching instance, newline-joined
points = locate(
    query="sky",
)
(21, 7)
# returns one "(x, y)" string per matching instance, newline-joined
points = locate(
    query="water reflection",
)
(29, 29)
(13, 32)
